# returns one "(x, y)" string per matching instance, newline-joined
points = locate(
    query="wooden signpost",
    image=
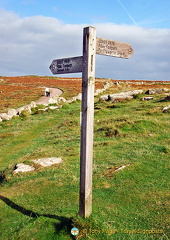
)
(86, 65)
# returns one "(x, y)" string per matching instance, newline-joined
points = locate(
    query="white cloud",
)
(28, 46)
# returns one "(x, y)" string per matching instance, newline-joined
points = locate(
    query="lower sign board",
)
(67, 65)
(113, 48)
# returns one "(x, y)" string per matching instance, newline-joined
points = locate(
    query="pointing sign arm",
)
(67, 65)
(113, 48)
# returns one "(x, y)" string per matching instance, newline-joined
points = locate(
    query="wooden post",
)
(86, 148)
(86, 65)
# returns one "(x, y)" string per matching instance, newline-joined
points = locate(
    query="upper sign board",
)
(113, 48)
(67, 65)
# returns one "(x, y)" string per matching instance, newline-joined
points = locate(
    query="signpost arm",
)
(86, 148)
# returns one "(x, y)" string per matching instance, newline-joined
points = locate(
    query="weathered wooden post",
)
(86, 149)
(86, 65)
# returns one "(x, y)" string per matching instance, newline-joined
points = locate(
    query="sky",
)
(34, 32)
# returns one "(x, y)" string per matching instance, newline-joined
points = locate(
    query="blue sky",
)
(144, 13)
(34, 32)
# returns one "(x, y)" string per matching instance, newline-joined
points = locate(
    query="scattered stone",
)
(98, 91)
(154, 91)
(43, 109)
(122, 95)
(0, 119)
(165, 109)
(5, 116)
(56, 99)
(117, 97)
(150, 135)
(53, 107)
(53, 100)
(45, 162)
(21, 167)
(116, 83)
(28, 109)
(104, 98)
(166, 90)
(19, 110)
(167, 98)
(78, 97)
(120, 168)
(33, 104)
(147, 98)
(12, 112)
(107, 85)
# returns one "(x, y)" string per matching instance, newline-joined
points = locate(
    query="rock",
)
(165, 109)
(21, 167)
(53, 107)
(56, 99)
(33, 104)
(167, 98)
(53, 100)
(28, 108)
(5, 116)
(147, 98)
(0, 119)
(120, 168)
(107, 85)
(79, 96)
(154, 91)
(122, 95)
(41, 110)
(135, 92)
(19, 110)
(104, 98)
(166, 90)
(116, 83)
(114, 97)
(45, 162)
(61, 99)
(98, 91)
(12, 112)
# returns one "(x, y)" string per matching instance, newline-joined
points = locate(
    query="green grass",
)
(129, 204)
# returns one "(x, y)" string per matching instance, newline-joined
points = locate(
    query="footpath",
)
(53, 92)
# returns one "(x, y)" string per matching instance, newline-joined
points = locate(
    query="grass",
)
(129, 204)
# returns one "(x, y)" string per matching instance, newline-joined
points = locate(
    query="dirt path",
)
(53, 92)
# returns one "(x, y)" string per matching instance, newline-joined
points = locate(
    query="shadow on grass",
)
(65, 223)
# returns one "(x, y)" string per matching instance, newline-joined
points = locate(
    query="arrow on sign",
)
(113, 48)
(67, 65)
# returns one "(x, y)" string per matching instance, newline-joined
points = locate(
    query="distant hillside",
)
(18, 91)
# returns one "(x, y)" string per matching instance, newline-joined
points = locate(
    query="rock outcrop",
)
(45, 162)
(122, 95)
(147, 98)
(21, 167)
(154, 91)
(5, 116)
(165, 109)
